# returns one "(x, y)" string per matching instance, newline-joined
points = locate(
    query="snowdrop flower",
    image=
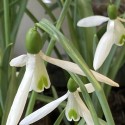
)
(115, 34)
(75, 108)
(35, 77)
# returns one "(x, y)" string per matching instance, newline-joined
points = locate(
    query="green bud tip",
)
(72, 86)
(112, 11)
(33, 41)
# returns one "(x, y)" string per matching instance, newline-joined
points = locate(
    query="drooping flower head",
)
(75, 107)
(115, 33)
(35, 77)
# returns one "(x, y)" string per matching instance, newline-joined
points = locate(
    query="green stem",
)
(117, 64)
(59, 119)
(58, 25)
(6, 21)
(10, 5)
(31, 103)
(48, 11)
(32, 17)
(73, 33)
(18, 19)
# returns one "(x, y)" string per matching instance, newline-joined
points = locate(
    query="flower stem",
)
(59, 119)
(31, 103)
(6, 22)
(58, 25)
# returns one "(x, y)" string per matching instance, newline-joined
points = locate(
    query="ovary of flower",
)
(115, 34)
(75, 109)
(35, 78)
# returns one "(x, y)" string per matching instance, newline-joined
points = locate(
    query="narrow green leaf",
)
(82, 122)
(20, 13)
(31, 103)
(6, 22)
(4, 74)
(59, 119)
(87, 34)
(48, 10)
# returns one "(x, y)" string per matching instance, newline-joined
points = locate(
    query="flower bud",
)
(72, 86)
(33, 41)
(112, 11)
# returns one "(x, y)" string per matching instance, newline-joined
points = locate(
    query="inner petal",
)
(43, 82)
(40, 77)
(72, 108)
(119, 33)
(72, 114)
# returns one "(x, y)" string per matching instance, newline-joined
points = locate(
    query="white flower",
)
(36, 78)
(115, 34)
(75, 108)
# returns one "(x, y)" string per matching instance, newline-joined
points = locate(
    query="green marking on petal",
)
(42, 82)
(122, 40)
(72, 114)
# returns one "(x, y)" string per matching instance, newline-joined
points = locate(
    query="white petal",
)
(72, 107)
(92, 21)
(119, 31)
(19, 61)
(104, 79)
(40, 77)
(89, 88)
(42, 112)
(46, 1)
(103, 49)
(83, 110)
(20, 98)
(72, 67)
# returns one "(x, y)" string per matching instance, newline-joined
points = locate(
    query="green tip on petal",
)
(43, 82)
(72, 114)
(122, 40)
(72, 86)
(112, 11)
